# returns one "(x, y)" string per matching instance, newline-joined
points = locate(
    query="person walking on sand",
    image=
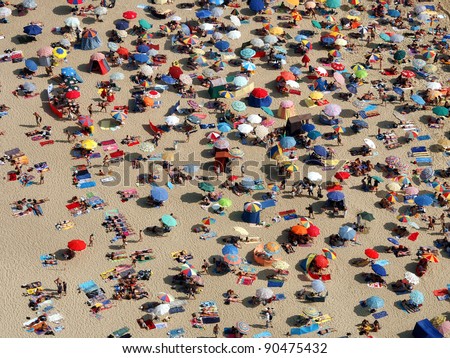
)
(268, 317)
(90, 110)
(339, 139)
(38, 119)
(41, 178)
(141, 236)
(64, 285)
(242, 170)
(310, 212)
(216, 330)
(205, 267)
(59, 288)
(91, 240)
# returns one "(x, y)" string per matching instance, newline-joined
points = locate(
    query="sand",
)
(24, 239)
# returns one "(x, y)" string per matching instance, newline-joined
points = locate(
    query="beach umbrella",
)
(169, 220)
(336, 196)
(346, 232)
(122, 25)
(76, 245)
(310, 311)
(329, 254)
(31, 65)
(426, 174)
(142, 48)
(254, 119)
(222, 45)
(100, 10)
(248, 66)
(217, 11)
(408, 74)
(75, 2)
(68, 72)
(428, 54)
(172, 120)
(257, 42)
(444, 328)
(397, 38)
(89, 144)
(73, 94)
(385, 37)
(59, 53)
(419, 100)
(281, 265)
(208, 221)
(264, 293)
(300, 229)
(225, 202)
(29, 4)
(119, 116)
(85, 121)
(321, 72)
(287, 142)
(434, 86)
(146, 25)
(261, 131)
(313, 231)
(316, 95)
(335, 53)
(393, 187)
(308, 127)
(399, 55)
(411, 190)
(416, 297)
(45, 51)
(203, 14)
(374, 302)
(391, 198)
(240, 81)
(140, 58)
(252, 207)
(342, 175)
(270, 39)
(419, 9)
(72, 22)
(224, 127)
(418, 63)
(29, 87)
(327, 40)
(146, 70)
(159, 194)
(403, 218)
(423, 200)
(232, 259)
(32, 30)
(444, 142)
(315, 177)
(430, 68)
(242, 327)
(230, 250)
(361, 74)
(310, 4)
(412, 278)
(206, 187)
(431, 257)
(129, 15)
(245, 128)
(318, 286)
(5, 12)
(234, 35)
(247, 53)
(332, 110)
(366, 216)
(161, 309)
(291, 167)
(379, 270)
(239, 106)
(372, 254)
(321, 261)
(165, 297)
(333, 4)
(337, 66)
(117, 76)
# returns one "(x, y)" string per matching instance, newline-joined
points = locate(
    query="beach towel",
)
(107, 179)
(304, 330)
(177, 309)
(48, 261)
(210, 320)
(275, 283)
(375, 285)
(85, 185)
(423, 137)
(246, 281)
(382, 262)
(268, 203)
(88, 286)
(379, 315)
(208, 235)
(265, 334)
(287, 212)
(46, 142)
(424, 160)
(161, 325)
(176, 333)
(290, 217)
(280, 297)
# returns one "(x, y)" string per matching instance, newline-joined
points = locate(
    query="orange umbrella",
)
(431, 257)
(299, 230)
(148, 101)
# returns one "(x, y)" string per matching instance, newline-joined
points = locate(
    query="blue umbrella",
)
(247, 53)
(168, 79)
(186, 30)
(419, 100)
(385, 37)
(375, 302)
(347, 233)
(31, 65)
(320, 151)
(328, 40)
(314, 135)
(224, 127)
(28, 86)
(360, 123)
(122, 25)
(287, 142)
(416, 297)
(398, 90)
(159, 194)
(248, 182)
(427, 173)
(143, 49)
(318, 286)
(203, 14)
(280, 56)
(423, 200)
(394, 241)
(230, 250)
(352, 88)
(222, 45)
(68, 72)
(300, 38)
(336, 196)
(217, 12)
(216, 2)
(379, 270)
(32, 30)
(295, 70)
(393, 13)
(140, 58)
(308, 127)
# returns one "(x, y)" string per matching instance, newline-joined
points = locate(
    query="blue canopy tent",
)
(257, 100)
(90, 40)
(257, 5)
(252, 217)
(320, 84)
(425, 329)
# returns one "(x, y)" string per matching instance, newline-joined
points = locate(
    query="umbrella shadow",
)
(262, 275)
(246, 302)
(142, 202)
(435, 148)
(191, 198)
(385, 124)
(411, 266)
(361, 311)
(359, 277)
(347, 113)
(84, 67)
(62, 10)
(206, 153)
(236, 216)
(405, 334)
(292, 321)
(88, 21)
(390, 226)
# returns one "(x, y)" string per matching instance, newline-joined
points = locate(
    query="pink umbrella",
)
(444, 328)
(268, 122)
(339, 78)
(286, 104)
(46, 51)
(411, 190)
(332, 110)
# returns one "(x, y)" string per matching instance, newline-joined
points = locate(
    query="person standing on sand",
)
(64, 285)
(38, 119)
(90, 110)
(216, 330)
(91, 240)
(141, 236)
(310, 212)
(41, 178)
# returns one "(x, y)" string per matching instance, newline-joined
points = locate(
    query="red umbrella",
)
(233, 177)
(259, 93)
(175, 72)
(408, 74)
(76, 245)
(337, 66)
(342, 175)
(129, 15)
(413, 236)
(321, 261)
(73, 95)
(313, 231)
(334, 188)
(372, 254)
(122, 51)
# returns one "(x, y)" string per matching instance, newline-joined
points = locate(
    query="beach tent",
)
(98, 63)
(256, 5)
(90, 40)
(259, 97)
(425, 329)
(251, 216)
(216, 86)
(294, 124)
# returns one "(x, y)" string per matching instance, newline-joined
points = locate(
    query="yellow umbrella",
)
(276, 31)
(316, 95)
(433, 94)
(89, 144)
(293, 2)
(59, 53)
(168, 156)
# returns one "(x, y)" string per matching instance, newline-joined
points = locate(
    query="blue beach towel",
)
(424, 137)
(379, 315)
(264, 334)
(280, 296)
(275, 283)
(305, 329)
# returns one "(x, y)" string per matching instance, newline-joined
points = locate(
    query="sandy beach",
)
(26, 238)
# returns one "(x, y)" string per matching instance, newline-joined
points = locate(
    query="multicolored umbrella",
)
(329, 254)
(272, 248)
(166, 297)
(252, 207)
(232, 259)
(208, 221)
(85, 121)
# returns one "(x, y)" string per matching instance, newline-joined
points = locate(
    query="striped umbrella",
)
(292, 168)
(119, 116)
(304, 221)
(232, 259)
(165, 297)
(252, 207)
(391, 198)
(189, 272)
(403, 218)
(85, 121)
(242, 327)
(208, 221)
(329, 254)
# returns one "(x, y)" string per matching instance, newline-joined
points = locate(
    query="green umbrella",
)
(225, 202)
(366, 216)
(206, 187)
(268, 111)
(145, 24)
(316, 24)
(361, 74)
(239, 106)
(169, 220)
(399, 55)
(377, 178)
(440, 111)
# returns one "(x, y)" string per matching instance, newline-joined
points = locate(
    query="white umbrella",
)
(412, 278)
(172, 120)
(261, 131)
(5, 12)
(254, 119)
(217, 35)
(315, 177)
(340, 42)
(72, 22)
(235, 20)
(270, 39)
(241, 230)
(65, 42)
(245, 128)
(175, 18)
(423, 16)
(186, 79)
(146, 70)
(370, 143)
(29, 4)
(293, 84)
(161, 309)
(264, 293)
(257, 42)
(234, 35)
(100, 10)
(122, 33)
(206, 27)
(117, 76)
(152, 52)
(434, 85)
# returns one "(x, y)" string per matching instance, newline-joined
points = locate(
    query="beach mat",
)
(265, 334)
(379, 315)
(210, 320)
(275, 283)
(290, 217)
(424, 137)
(304, 330)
